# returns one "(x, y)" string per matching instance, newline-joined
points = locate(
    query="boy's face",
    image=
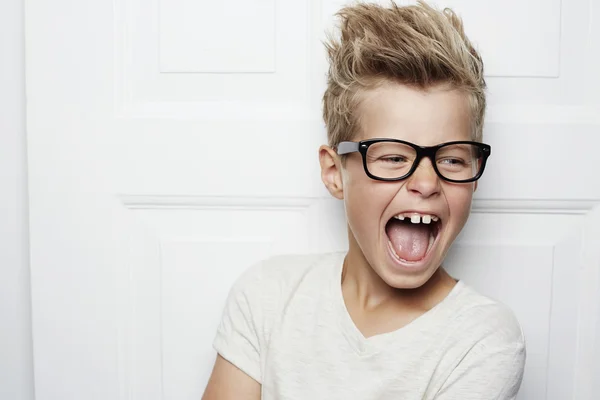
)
(403, 254)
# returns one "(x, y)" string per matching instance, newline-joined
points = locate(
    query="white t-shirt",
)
(285, 324)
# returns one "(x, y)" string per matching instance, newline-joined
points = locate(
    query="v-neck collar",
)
(365, 346)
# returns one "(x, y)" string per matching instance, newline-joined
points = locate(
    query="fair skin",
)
(383, 294)
(227, 382)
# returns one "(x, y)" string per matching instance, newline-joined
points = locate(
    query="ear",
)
(331, 173)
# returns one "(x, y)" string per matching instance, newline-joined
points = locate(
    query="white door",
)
(174, 143)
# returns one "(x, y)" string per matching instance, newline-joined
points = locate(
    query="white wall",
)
(16, 372)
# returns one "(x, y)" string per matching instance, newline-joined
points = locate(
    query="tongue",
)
(410, 241)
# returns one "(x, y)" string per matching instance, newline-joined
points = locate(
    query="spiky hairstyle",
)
(415, 45)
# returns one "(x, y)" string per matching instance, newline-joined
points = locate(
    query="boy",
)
(404, 110)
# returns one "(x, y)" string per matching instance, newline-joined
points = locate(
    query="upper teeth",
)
(417, 218)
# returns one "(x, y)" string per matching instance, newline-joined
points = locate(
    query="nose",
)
(424, 181)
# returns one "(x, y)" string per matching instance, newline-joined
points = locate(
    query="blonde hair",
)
(415, 45)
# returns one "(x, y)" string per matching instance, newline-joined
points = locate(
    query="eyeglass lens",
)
(390, 160)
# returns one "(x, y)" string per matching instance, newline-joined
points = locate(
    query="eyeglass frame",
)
(362, 147)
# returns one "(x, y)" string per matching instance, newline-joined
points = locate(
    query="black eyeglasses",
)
(394, 160)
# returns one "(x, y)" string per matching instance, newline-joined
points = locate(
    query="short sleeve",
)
(238, 338)
(492, 369)
(486, 374)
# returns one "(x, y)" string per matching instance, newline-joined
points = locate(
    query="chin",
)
(400, 276)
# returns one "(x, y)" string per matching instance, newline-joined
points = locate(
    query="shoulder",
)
(287, 267)
(485, 347)
(256, 300)
(487, 320)
(275, 277)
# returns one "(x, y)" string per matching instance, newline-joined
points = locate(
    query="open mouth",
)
(412, 235)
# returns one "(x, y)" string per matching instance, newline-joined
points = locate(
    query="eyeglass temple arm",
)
(347, 147)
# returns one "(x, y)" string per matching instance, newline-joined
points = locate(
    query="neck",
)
(367, 287)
